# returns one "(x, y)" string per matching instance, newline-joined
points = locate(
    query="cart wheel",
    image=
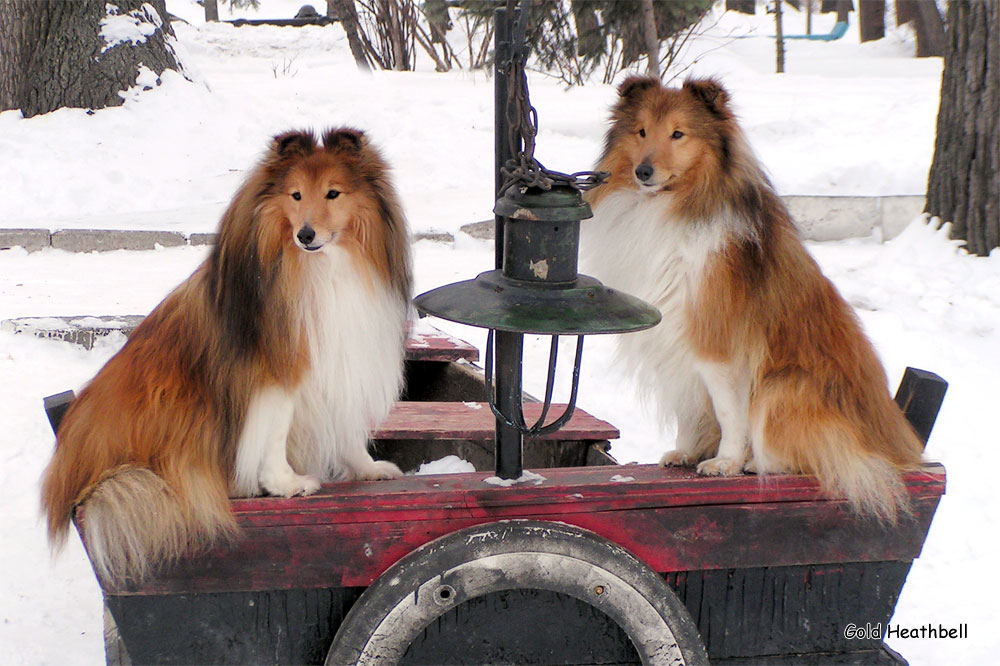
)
(516, 555)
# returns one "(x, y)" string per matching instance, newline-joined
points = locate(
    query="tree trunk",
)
(53, 55)
(590, 41)
(927, 24)
(906, 11)
(741, 6)
(650, 39)
(393, 22)
(348, 15)
(442, 63)
(436, 13)
(211, 10)
(842, 7)
(871, 19)
(779, 39)
(930, 31)
(963, 187)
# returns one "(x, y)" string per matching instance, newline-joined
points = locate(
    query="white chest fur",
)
(632, 244)
(356, 334)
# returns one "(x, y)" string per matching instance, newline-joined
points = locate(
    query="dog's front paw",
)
(720, 466)
(677, 458)
(751, 467)
(380, 469)
(289, 484)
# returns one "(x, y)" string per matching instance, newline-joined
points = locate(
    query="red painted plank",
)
(566, 490)
(475, 420)
(674, 521)
(688, 538)
(427, 343)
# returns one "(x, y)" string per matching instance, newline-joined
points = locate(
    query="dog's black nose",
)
(644, 172)
(306, 235)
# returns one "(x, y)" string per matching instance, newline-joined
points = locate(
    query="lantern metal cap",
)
(561, 203)
(583, 306)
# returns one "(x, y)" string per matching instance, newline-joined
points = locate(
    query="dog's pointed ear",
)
(710, 93)
(295, 143)
(344, 138)
(635, 85)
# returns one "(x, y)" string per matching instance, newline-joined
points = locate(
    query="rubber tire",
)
(516, 554)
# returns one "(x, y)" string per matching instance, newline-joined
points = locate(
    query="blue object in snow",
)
(839, 30)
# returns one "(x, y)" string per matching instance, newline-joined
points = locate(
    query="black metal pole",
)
(501, 126)
(509, 440)
(509, 346)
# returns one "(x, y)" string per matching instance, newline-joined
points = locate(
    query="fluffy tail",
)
(133, 522)
(873, 485)
(859, 456)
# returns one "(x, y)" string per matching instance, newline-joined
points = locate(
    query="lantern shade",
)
(538, 290)
(582, 306)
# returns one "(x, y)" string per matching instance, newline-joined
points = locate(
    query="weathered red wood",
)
(572, 490)
(430, 344)
(475, 420)
(674, 521)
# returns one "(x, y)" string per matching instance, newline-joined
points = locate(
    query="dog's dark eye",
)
(332, 194)
(297, 196)
(642, 133)
(677, 134)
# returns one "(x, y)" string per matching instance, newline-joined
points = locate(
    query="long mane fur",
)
(148, 447)
(818, 393)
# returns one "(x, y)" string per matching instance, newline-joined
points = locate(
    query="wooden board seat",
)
(421, 432)
(348, 533)
(475, 421)
(426, 343)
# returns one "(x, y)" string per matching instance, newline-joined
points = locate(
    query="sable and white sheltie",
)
(262, 373)
(762, 362)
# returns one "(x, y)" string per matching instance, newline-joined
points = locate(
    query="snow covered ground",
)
(846, 119)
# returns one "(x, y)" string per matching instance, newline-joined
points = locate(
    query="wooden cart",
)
(590, 562)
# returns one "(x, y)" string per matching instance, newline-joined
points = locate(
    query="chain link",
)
(522, 121)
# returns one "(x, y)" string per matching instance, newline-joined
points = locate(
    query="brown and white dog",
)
(763, 363)
(262, 373)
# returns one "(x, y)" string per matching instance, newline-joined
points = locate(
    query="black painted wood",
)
(764, 615)
(523, 627)
(920, 395)
(56, 406)
(278, 627)
(797, 610)
(884, 656)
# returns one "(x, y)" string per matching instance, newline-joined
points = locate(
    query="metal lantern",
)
(538, 289)
(535, 287)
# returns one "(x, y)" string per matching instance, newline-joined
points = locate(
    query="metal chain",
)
(522, 119)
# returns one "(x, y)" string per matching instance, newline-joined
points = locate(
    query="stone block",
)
(81, 330)
(203, 239)
(898, 212)
(834, 218)
(31, 240)
(439, 236)
(482, 230)
(101, 240)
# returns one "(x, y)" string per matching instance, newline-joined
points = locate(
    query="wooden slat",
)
(349, 533)
(430, 344)
(677, 539)
(563, 490)
(475, 420)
